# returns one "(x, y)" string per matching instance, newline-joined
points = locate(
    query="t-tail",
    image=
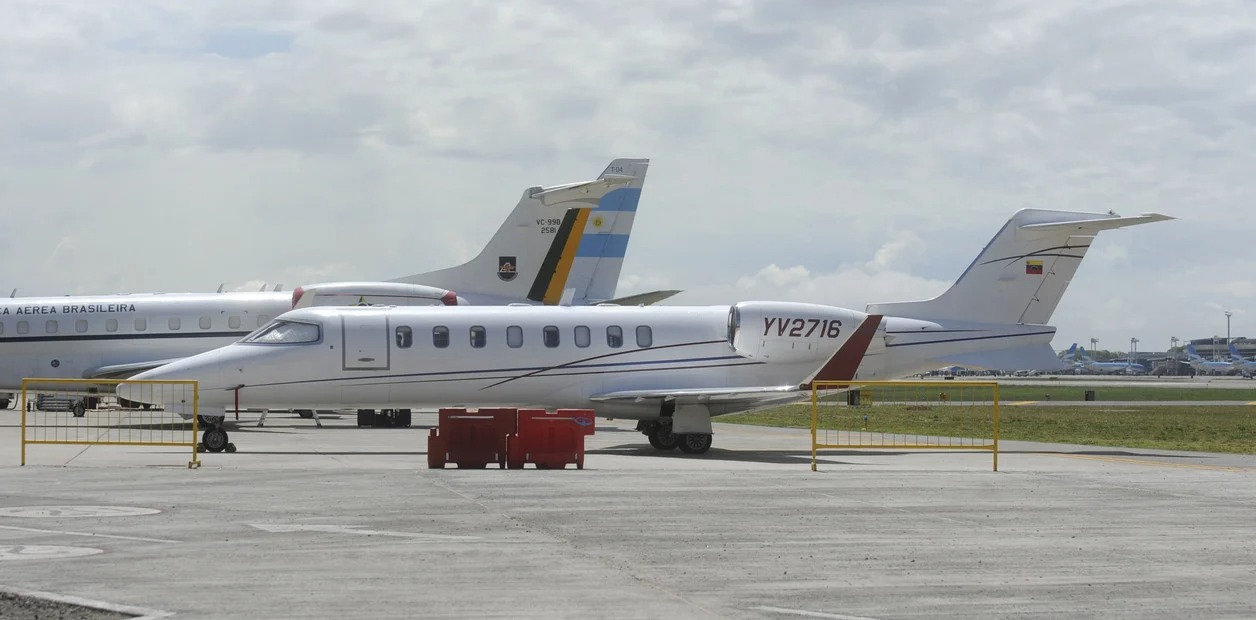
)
(565, 242)
(996, 313)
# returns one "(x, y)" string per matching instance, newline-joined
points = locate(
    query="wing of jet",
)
(643, 299)
(739, 397)
(123, 371)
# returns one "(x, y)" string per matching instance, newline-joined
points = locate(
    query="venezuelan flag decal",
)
(1033, 267)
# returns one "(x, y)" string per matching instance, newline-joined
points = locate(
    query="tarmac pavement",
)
(348, 522)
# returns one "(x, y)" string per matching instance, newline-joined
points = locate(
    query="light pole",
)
(1227, 328)
(1094, 344)
(1133, 349)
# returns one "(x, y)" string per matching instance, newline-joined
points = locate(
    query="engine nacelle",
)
(789, 332)
(373, 294)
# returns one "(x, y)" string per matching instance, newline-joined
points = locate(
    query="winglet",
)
(845, 362)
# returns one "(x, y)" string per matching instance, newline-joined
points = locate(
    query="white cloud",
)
(818, 151)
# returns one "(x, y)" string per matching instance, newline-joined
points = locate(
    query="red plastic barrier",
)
(550, 440)
(472, 440)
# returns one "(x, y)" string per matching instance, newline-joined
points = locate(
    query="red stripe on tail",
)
(844, 363)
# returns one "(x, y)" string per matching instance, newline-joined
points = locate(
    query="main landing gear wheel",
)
(214, 439)
(662, 437)
(695, 443)
(4, 403)
(78, 409)
(305, 413)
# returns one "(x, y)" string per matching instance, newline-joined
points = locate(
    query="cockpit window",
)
(285, 332)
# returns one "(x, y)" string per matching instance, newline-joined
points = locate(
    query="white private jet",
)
(670, 368)
(564, 239)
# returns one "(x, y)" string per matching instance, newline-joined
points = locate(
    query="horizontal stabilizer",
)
(1030, 357)
(1097, 225)
(586, 192)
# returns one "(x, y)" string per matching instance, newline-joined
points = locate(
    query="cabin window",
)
(111, 325)
(549, 335)
(50, 326)
(582, 336)
(614, 337)
(173, 323)
(23, 327)
(285, 332)
(514, 336)
(205, 322)
(262, 319)
(405, 337)
(645, 336)
(478, 336)
(80, 325)
(440, 336)
(233, 322)
(141, 324)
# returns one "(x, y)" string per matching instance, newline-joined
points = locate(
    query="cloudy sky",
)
(834, 152)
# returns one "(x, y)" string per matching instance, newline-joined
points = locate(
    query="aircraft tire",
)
(695, 443)
(210, 420)
(305, 413)
(78, 409)
(214, 439)
(662, 437)
(4, 403)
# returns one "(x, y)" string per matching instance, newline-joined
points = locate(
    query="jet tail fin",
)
(570, 236)
(1191, 353)
(1071, 354)
(1022, 273)
(1234, 353)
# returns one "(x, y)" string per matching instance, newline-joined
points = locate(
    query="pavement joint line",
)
(1117, 459)
(90, 534)
(140, 613)
(809, 614)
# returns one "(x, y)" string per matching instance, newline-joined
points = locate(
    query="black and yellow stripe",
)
(552, 277)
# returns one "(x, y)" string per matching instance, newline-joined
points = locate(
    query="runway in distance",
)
(670, 368)
(566, 239)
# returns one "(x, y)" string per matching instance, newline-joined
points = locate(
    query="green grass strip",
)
(1201, 429)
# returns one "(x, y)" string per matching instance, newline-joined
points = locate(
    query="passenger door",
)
(366, 340)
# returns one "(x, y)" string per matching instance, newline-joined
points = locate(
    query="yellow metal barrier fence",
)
(88, 412)
(919, 415)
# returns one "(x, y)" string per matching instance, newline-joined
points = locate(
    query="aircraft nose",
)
(158, 387)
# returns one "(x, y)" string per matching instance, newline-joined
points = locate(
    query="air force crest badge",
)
(506, 268)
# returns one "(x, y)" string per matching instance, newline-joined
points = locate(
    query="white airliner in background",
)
(670, 368)
(567, 239)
